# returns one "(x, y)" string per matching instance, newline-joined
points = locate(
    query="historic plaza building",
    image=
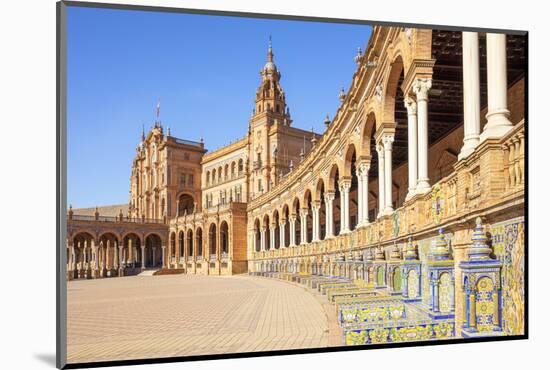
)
(416, 188)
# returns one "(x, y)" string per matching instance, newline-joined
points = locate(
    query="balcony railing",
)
(188, 142)
(100, 218)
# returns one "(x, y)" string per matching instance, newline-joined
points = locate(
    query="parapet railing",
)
(137, 220)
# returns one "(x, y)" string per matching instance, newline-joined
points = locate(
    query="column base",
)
(345, 231)
(363, 224)
(423, 187)
(328, 237)
(388, 211)
(496, 127)
(411, 193)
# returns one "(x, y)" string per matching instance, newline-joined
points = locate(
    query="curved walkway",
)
(178, 315)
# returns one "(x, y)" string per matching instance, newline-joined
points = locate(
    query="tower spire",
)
(270, 51)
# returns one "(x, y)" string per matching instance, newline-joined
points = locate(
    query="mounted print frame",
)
(367, 189)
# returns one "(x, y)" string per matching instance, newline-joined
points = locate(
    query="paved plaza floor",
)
(179, 315)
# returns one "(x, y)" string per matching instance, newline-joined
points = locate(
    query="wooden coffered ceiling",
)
(445, 107)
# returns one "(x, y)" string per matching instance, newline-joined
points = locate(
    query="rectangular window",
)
(190, 179)
(182, 179)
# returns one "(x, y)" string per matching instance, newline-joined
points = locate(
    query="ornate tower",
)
(269, 116)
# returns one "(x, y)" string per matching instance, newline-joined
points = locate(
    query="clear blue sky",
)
(203, 69)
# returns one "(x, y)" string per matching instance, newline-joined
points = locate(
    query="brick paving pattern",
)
(178, 315)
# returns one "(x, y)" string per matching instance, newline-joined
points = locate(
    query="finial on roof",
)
(270, 51)
(327, 121)
(142, 132)
(342, 95)
(158, 109)
(358, 56)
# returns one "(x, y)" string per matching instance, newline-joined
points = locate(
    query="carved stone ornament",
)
(378, 93)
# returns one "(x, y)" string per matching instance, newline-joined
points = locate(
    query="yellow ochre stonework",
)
(407, 212)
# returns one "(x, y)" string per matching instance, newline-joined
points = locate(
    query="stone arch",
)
(198, 241)
(334, 174)
(319, 196)
(181, 242)
(172, 244)
(351, 155)
(233, 169)
(275, 224)
(190, 243)
(257, 236)
(240, 166)
(224, 238)
(153, 250)
(285, 214)
(212, 239)
(207, 178)
(396, 69)
(265, 228)
(307, 204)
(131, 253)
(295, 210)
(186, 204)
(367, 133)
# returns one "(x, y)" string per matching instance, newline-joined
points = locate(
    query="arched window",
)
(241, 167)
(186, 204)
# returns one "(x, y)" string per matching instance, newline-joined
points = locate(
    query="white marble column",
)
(410, 104)
(471, 94)
(95, 257)
(163, 256)
(143, 256)
(72, 262)
(363, 190)
(329, 198)
(315, 207)
(115, 256)
(303, 225)
(498, 123)
(359, 197)
(381, 178)
(345, 185)
(262, 238)
(292, 219)
(272, 236)
(388, 181)
(120, 258)
(421, 88)
(282, 229)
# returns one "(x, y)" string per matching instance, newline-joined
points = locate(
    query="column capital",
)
(363, 167)
(344, 183)
(316, 204)
(410, 104)
(329, 196)
(387, 140)
(421, 86)
(304, 212)
(292, 217)
(263, 229)
(282, 222)
(380, 149)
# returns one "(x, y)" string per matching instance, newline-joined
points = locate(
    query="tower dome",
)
(270, 67)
